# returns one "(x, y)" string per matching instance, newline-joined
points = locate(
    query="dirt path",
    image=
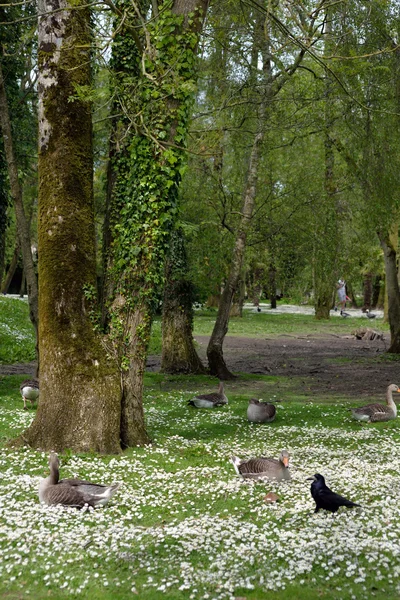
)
(318, 365)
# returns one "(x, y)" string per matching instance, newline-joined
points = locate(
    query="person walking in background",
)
(341, 291)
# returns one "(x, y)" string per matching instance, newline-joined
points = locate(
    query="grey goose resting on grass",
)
(260, 412)
(271, 468)
(72, 492)
(373, 413)
(210, 400)
(30, 391)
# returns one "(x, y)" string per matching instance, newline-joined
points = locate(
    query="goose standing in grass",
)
(210, 400)
(30, 391)
(72, 492)
(260, 412)
(370, 315)
(264, 467)
(373, 413)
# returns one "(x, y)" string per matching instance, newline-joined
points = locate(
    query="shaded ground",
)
(316, 364)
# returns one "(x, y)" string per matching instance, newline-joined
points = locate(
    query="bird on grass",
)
(344, 314)
(374, 413)
(325, 498)
(370, 315)
(210, 400)
(260, 412)
(254, 468)
(30, 391)
(72, 492)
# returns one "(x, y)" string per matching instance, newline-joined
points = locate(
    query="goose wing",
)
(258, 465)
(67, 495)
(375, 412)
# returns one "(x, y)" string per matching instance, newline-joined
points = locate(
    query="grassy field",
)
(184, 526)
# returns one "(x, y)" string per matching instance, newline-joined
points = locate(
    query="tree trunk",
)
(326, 236)
(11, 269)
(376, 290)
(80, 399)
(214, 350)
(148, 163)
(367, 292)
(3, 214)
(272, 285)
(178, 352)
(16, 194)
(393, 292)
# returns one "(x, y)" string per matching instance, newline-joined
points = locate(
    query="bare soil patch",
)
(317, 365)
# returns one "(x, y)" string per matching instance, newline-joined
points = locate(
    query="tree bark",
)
(80, 399)
(272, 285)
(326, 238)
(376, 291)
(148, 161)
(215, 355)
(3, 214)
(16, 194)
(393, 291)
(178, 352)
(367, 292)
(11, 269)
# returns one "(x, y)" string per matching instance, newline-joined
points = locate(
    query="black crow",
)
(324, 497)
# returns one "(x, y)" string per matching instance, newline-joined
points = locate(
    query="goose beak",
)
(285, 461)
(398, 390)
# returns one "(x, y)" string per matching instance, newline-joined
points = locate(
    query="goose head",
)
(284, 458)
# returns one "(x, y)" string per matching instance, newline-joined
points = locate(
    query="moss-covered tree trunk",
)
(178, 352)
(80, 400)
(155, 74)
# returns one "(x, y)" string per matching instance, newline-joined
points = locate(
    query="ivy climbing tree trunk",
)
(154, 72)
(80, 400)
(178, 352)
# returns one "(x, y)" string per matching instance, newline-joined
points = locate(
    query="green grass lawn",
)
(184, 526)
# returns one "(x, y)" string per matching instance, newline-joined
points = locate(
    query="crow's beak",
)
(311, 479)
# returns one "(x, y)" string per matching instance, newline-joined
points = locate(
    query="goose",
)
(72, 492)
(264, 467)
(371, 413)
(260, 412)
(30, 391)
(370, 315)
(210, 400)
(344, 314)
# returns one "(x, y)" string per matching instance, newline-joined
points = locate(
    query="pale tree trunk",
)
(80, 399)
(16, 194)
(214, 350)
(393, 292)
(178, 352)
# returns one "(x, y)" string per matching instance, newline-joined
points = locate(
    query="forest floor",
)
(317, 364)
